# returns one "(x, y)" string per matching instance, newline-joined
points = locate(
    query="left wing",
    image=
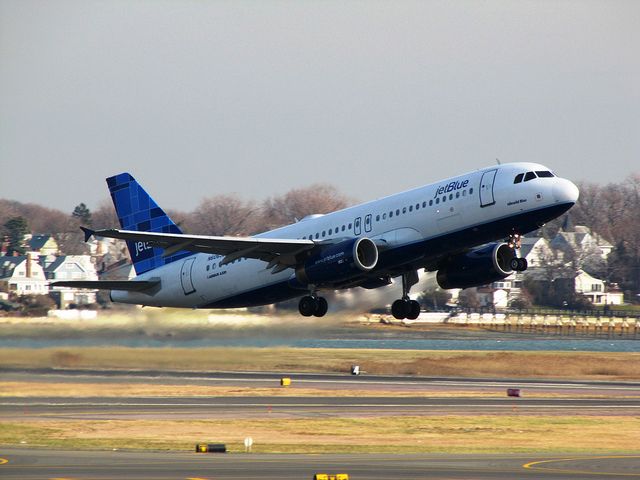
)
(279, 253)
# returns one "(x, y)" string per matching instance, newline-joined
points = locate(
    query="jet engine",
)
(335, 263)
(481, 266)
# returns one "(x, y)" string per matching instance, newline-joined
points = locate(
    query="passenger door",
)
(357, 226)
(486, 188)
(185, 276)
(367, 223)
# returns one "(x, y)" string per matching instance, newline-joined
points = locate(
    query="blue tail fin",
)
(138, 211)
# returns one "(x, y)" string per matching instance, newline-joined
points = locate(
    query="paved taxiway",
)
(51, 464)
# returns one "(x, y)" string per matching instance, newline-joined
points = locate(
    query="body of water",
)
(360, 338)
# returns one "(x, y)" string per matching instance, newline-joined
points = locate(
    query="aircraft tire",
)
(414, 310)
(321, 307)
(514, 264)
(307, 306)
(399, 309)
(522, 264)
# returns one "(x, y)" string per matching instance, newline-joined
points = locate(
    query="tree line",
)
(224, 214)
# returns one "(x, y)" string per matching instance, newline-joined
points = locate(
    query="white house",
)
(22, 275)
(596, 290)
(581, 242)
(72, 267)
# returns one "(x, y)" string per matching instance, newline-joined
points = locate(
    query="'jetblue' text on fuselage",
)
(451, 187)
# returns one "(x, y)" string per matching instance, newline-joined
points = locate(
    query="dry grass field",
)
(401, 434)
(565, 365)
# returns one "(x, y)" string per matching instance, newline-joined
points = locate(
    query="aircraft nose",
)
(565, 191)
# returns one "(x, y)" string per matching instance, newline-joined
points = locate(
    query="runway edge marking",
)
(533, 465)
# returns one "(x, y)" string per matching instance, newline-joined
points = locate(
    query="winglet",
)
(88, 233)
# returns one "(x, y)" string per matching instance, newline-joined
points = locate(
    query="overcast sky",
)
(197, 98)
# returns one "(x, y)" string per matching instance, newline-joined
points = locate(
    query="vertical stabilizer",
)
(138, 211)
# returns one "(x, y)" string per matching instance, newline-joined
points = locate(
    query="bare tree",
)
(41, 219)
(223, 215)
(298, 203)
(105, 216)
(70, 239)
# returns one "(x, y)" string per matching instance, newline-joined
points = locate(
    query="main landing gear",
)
(405, 307)
(313, 305)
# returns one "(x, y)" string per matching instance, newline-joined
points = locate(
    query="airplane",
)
(467, 229)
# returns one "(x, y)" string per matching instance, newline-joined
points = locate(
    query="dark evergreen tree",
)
(82, 214)
(16, 228)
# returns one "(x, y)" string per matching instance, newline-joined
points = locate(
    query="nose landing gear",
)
(517, 264)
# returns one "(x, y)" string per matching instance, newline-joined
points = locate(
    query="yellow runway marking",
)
(534, 466)
(3, 461)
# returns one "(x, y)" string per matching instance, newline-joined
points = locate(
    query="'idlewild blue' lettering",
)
(451, 187)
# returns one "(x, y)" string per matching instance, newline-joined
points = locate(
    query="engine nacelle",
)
(338, 262)
(477, 267)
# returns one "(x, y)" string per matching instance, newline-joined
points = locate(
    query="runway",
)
(585, 398)
(313, 380)
(71, 465)
(228, 407)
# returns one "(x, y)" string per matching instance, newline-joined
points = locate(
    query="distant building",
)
(596, 290)
(120, 270)
(72, 267)
(536, 250)
(493, 296)
(42, 245)
(581, 242)
(22, 275)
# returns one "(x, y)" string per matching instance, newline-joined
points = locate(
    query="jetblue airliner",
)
(466, 228)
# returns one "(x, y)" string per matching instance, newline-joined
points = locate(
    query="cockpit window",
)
(529, 176)
(518, 178)
(544, 174)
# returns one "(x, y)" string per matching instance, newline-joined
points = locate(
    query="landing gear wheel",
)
(399, 309)
(414, 310)
(514, 264)
(518, 264)
(307, 306)
(321, 308)
(522, 264)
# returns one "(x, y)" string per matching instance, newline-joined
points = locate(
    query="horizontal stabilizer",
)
(88, 233)
(124, 285)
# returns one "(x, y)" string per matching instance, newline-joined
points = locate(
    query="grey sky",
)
(197, 98)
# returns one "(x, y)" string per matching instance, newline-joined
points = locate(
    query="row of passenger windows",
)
(331, 231)
(397, 212)
(531, 175)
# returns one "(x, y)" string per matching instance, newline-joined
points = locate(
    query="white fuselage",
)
(463, 211)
